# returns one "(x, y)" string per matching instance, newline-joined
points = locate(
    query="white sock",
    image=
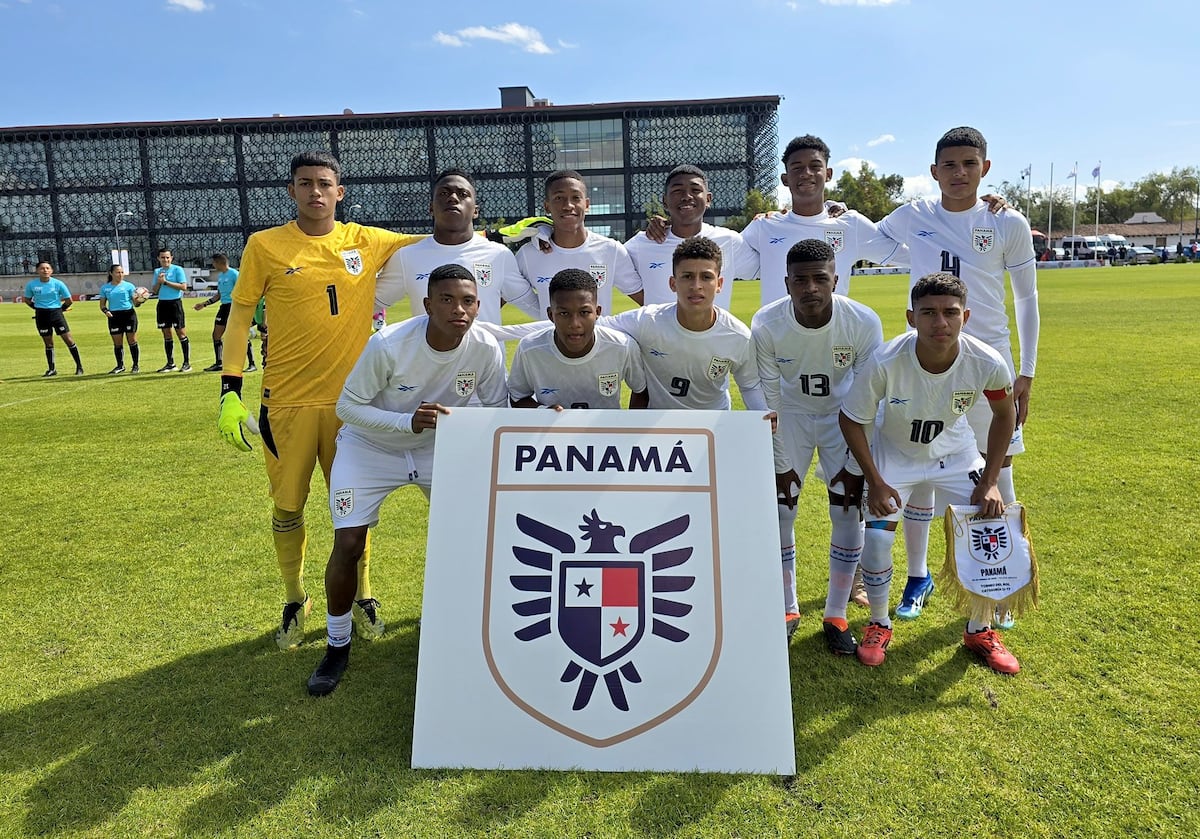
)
(338, 629)
(845, 550)
(918, 514)
(877, 572)
(791, 605)
(1008, 492)
(976, 626)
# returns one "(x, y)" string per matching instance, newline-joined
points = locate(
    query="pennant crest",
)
(990, 542)
(718, 368)
(836, 239)
(990, 563)
(343, 502)
(599, 274)
(961, 401)
(843, 356)
(353, 262)
(610, 383)
(983, 238)
(483, 274)
(464, 383)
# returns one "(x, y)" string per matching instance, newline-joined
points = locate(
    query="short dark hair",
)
(964, 135)
(937, 284)
(696, 247)
(220, 256)
(453, 173)
(573, 279)
(164, 249)
(442, 273)
(810, 250)
(561, 175)
(316, 157)
(806, 141)
(42, 262)
(684, 169)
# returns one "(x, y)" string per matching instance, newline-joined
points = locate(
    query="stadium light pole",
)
(350, 211)
(117, 230)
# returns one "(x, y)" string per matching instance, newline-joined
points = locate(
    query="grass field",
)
(142, 694)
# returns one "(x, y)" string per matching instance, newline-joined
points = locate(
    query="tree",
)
(871, 195)
(756, 204)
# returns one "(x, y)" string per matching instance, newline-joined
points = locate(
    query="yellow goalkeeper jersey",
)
(320, 295)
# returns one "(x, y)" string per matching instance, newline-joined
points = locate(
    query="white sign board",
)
(602, 591)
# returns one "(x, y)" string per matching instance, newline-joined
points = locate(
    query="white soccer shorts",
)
(363, 476)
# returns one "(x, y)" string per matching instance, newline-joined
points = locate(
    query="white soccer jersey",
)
(398, 371)
(809, 371)
(686, 369)
(605, 259)
(976, 246)
(495, 269)
(924, 414)
(540, 370)
(653, 263)
(852, 236)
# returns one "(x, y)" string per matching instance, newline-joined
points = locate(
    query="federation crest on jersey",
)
(343, 502)
(961, 401)
(843, 357)
(353, 262)
(464, 383)
(836, 239)
(599, 274)
(718, 367)
(983, 238)
(483, 274)
(609, 383)
(990, 541)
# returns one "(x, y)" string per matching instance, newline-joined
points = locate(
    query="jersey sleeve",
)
(862, 402)
(877, 247)
(252, 280)
(741, 260)
(635, 371)
(493, 388)
(516, 289)
(366, 380)
(519, 386)
(392, 285)
(628, 279)
(895, 225)
(872, 340)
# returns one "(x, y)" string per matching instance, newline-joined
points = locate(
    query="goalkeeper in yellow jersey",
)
(317, 276)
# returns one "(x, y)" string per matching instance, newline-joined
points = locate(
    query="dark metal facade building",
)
(68, 192)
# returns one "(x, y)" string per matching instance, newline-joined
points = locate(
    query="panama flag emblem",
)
(991, 543)
(353, 262)
(983, 238)
(599, 274)
(836, 239)
(483, 274)
(843, 357)
(609, 383)
(464, 383)
(961, 401)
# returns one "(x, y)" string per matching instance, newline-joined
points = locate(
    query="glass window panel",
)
(195, 250)
(607, 193)
(389, 204)
(383, 152)
(111, 161)
(95, 210)
(197, 208)
(269, 206)
(23, 166)
(21, 256)
(25, 214)
(699, 139)
(480, 148)
(268, 156)
(503, 198)
(578, 144)
(192, 160)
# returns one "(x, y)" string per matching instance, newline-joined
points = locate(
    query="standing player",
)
(574, 246)
(409, 373)
(927, 381)
(454, 207)
(117, 304)
(226, 279)
(49, 297)
(576, 363)
(170, 281)
(957, 234)
(318, 278)
(811, 346)
(686, 197)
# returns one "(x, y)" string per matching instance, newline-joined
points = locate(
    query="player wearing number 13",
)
(317, 276)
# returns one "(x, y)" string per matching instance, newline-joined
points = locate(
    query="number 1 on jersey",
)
(331, 290)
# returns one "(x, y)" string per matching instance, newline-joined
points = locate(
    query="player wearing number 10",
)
(318, 278)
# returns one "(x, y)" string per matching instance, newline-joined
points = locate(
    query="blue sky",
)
(879, 80)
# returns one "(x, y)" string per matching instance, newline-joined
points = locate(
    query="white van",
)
(1083, 247)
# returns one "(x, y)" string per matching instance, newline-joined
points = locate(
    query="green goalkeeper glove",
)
(233, 418)
(526, 228)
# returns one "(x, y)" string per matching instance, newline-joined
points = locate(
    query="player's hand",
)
(1021, 388)
(784, 481)
(198, 306)
(988, 499)
(995, 203)
(656, 229)
(233, 420)
(426, 416)
(852, 486)
(108, 313)
(833, 209)
(883, 500)
(773, 418)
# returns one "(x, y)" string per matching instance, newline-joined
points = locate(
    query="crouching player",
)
(927, 381)
(409, 374)
(811, 345)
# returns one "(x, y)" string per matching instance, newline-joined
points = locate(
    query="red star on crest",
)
(619, 627)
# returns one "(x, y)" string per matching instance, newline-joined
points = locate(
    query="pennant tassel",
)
(990, 564)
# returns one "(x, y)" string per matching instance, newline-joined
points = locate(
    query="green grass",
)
(142, 693)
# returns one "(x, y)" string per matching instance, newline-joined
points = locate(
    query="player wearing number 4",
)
(409, 374)
(811, 345)
(927, 381)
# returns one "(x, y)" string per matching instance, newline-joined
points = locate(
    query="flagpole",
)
(1029, 193)
(1050, 215)
(1074, 194)
(1098, 198)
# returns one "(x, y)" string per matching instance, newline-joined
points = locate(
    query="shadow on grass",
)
(232, 727)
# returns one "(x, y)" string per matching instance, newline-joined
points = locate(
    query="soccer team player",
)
(913, 397)
(408, 374)
(49, 298)
(811, 345)
(226, 279)
(170, 282)
(117, 304)
(957, 234)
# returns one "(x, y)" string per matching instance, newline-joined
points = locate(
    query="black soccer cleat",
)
(324, 680)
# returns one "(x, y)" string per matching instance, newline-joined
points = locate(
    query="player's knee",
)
(348, 545)
(852, 499)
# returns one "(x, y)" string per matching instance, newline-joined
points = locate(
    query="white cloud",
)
(525, 37)
(793, 6)
(863, 2)
(851, 165)
(881, 139)
(567, 45)
(189, 5)
(920, 186)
